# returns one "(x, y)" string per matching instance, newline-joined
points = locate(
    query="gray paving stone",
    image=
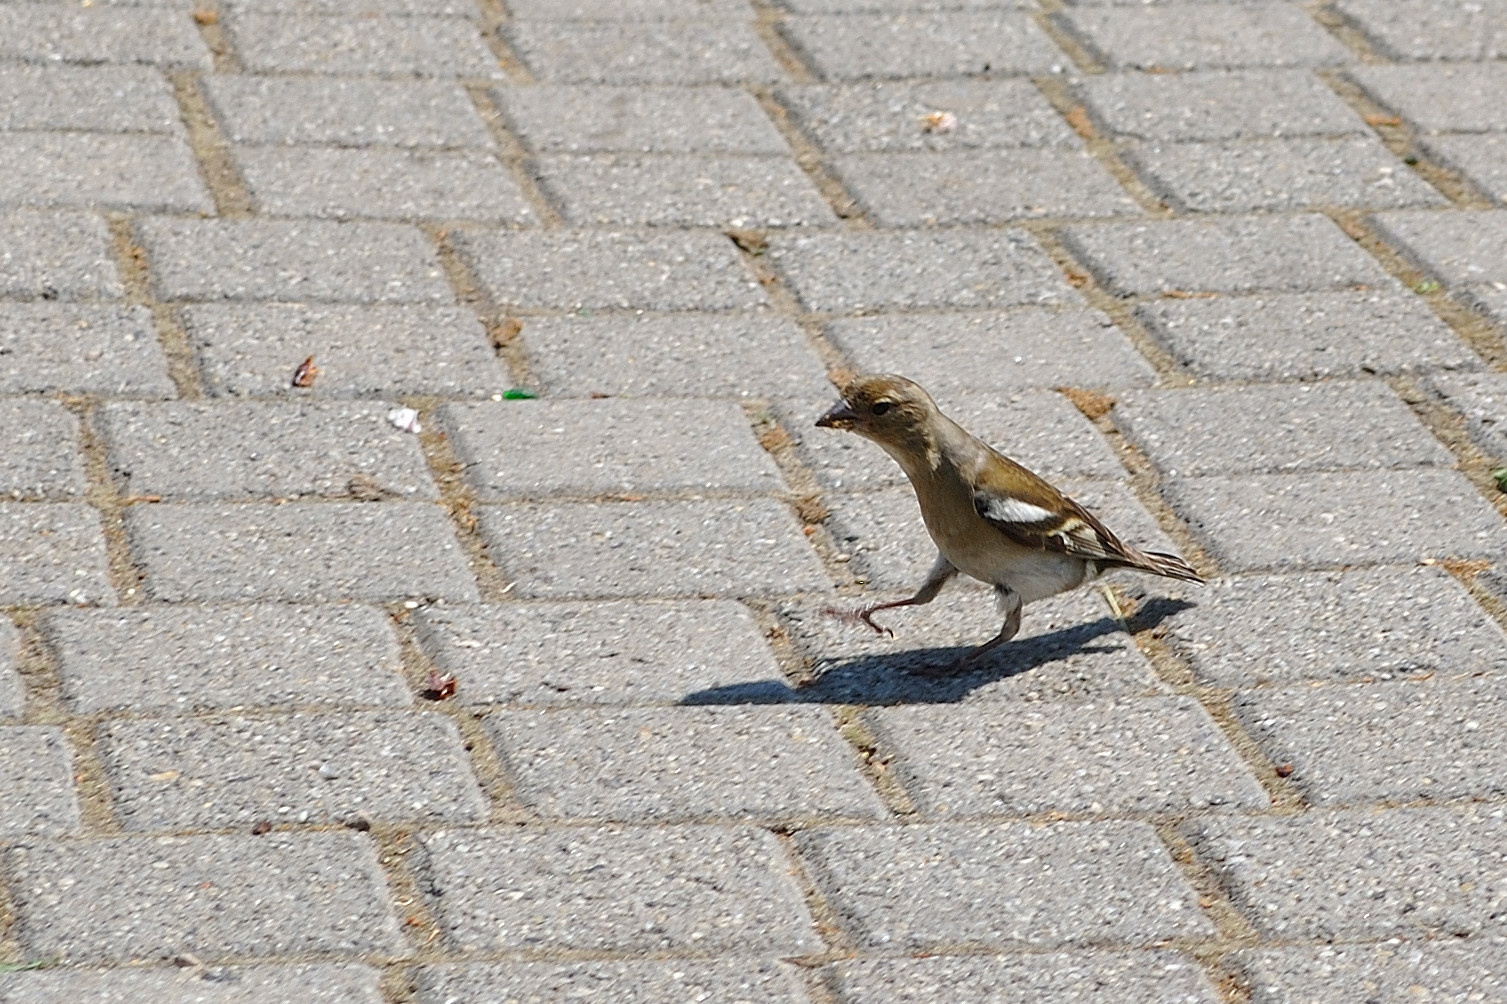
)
(1191, 432)
(224, 450)
(283, 260)
(1178, 37)
(1282, 174)
(1482, 399)
(193, 658)
(890, 116)
(12, 690)
(357, 8)
(1454, 97)
(1389, 974)
(40, 457)
(628, 10)
(863, 270)
(1306, 336)
(1040, 429)
(98, 98)
(1069, 647)
(109, 350)
(1065, 978)
(301, 553)
(1461, 247)
(1356, 626)
(37, 796)
(360, 46)
(99, 171)
(687, 190)
(564, 119)
(52, 552)
(340, 983)
(1235, 104)
(1325, 876)
(392, 767)
(596, 269)
(380, 351)
(921, 189)
(685, 355)
(663, 765)
(53, 256)
(1480, 157)
(649, 52)
(1229, 255)
(1385, 742)
(915, 888)
(536, 449)
(585, 550)
(1162, 754)
(381, 184)
(627, 652)
(883, 532)
(1431, 29)
(707, 889)
(998, 351)
(1490, 301)
(63, 33)
(1284, 522)
(862, 6)
(637, 982)
(345, 111)
(950, 44)
(127, 898)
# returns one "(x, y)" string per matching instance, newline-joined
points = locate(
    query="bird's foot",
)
(865, 616)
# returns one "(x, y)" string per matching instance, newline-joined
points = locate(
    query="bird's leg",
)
(1010, 601)
(941, 571)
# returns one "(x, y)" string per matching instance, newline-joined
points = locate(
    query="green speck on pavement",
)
(518, 394)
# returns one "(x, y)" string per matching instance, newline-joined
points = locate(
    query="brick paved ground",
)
(1272, 235)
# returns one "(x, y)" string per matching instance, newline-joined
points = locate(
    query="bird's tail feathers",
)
(1170, 565)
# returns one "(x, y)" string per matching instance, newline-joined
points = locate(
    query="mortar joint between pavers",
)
(796, 668)
(131, 262)
(1479, 335)
(208, 17)
(1232, 928)
(502, 330)
(1448, 427)
(1345, 31)
(458, 498)
(102, 494)
(398, 983)
(1284, 794)
(492, 15)
(1103, 149)
(767, 21)
(875, 761)
(1050, 19)
(211, 150)
(1401, 141)
(514, 155)
(416, 918)
(91, 781)
(825, 920)
(811, 159)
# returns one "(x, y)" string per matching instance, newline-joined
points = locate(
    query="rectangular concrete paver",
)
(1462, 248)
(740, 355)
(99, 170)
(1005, 885)
(1482, 399)
(596, 269)
(646, 52)
(1283, 522)
(948, 44)
(702, 889)
(1062, 977)
(58, 33)
(389, 767)
(659, 119)
(864, 270)
(1405, 873)
(1478, 156)
(1447, 97)
(52, 552)
(395, 46)
(1147, 755)
(997, 351)
(361, 351)
(1277, 429)
(1389, 974)
(346, 983)
(636, 982)
(683, 764)
(40, 459)
(225, 450)
(194, 658)
(57, 256)
(212, 896)
(108, 350)
(308, 553)
(37, 794)
(302, 261)
(1430, 29)
(579, 550)
(534, 449)
(623, 652)
(1363, 625)
(1164, 37)
(95, 98)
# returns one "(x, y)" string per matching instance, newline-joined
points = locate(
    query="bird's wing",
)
(1033, 514)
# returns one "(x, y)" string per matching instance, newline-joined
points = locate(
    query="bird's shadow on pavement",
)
(890, 678)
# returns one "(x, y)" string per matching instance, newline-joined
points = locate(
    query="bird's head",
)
(884, 408)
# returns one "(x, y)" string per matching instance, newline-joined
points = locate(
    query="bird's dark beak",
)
(839, 416)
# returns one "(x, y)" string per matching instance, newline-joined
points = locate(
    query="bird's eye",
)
(880, 407)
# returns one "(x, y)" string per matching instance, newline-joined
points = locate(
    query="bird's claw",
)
(867, 616)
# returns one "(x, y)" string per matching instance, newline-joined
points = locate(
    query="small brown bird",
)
(989, 517)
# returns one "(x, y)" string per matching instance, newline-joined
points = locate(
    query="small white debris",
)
(939, 122)
(406, 419)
